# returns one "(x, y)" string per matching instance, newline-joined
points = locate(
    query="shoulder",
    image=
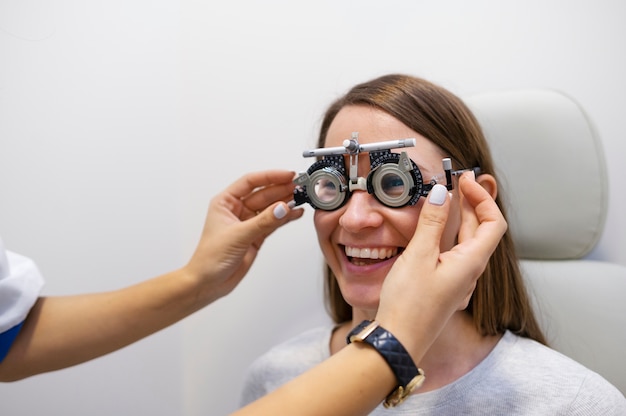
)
(534, 358)
(598, 397)
(309, 343)
(302, 351)
(521, 377)
(286, 361)
(539, 372)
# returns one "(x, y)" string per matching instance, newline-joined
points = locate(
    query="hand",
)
(238, 221)
(425, 286)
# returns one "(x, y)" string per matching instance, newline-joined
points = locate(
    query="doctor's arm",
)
(67, 330)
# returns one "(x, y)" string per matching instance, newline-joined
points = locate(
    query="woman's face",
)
(362, 239)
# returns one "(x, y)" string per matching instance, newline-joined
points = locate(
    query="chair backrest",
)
(551, 168)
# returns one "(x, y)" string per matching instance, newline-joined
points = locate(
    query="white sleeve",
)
(20, 285)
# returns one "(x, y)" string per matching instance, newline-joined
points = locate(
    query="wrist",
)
(416, 330)
(408, 376)
(196, 290)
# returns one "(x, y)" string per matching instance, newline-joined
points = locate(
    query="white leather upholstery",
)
(551, 167)
(580, 305)
(551, 162)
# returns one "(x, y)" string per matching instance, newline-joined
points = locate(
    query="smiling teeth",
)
(371, 253)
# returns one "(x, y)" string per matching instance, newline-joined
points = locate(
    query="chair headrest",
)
(550, 164)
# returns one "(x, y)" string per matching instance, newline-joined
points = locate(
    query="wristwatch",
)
(408, 375)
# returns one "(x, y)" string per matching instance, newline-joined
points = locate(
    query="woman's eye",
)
(325, 189)
(392, 184)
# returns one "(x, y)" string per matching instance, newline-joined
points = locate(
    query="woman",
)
(491, 357)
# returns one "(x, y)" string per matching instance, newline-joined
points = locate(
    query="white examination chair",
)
(551, 166)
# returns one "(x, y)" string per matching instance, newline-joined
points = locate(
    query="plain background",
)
(119, 120)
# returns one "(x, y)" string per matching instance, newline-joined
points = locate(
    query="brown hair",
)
(500, 300)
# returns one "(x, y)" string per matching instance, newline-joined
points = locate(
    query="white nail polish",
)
(438, 195)
(280, 211)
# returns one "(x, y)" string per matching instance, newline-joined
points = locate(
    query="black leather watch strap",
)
(408, 375)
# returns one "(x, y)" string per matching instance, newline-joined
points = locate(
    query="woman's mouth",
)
(365, 256)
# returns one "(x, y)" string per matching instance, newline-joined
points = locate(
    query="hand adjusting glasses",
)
(394, 179)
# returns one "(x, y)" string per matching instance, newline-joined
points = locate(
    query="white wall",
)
(120, 119)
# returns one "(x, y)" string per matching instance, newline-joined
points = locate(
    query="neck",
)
(458, 349)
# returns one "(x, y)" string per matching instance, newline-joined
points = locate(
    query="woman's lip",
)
(368, 268)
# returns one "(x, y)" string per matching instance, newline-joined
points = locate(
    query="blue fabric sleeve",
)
(7, 338)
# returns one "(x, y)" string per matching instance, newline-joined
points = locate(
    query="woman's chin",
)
(361, 286)
(363, 300)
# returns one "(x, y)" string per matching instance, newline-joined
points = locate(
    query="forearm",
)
(65, 331)
(352, 382)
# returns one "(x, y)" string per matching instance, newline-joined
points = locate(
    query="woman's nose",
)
(361, 211)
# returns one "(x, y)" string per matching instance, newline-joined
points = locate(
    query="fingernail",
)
(471, 175)
(280, 211)
(438, 195)
(291, 204)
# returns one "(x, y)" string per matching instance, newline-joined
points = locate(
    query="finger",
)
(261, 198)
(251, 181)
(255, 229)
(469, 220)
(468, 297)
(431, 223)
(487, 211)
(483, 238)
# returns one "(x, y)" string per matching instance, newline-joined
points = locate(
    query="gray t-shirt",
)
(519, 377)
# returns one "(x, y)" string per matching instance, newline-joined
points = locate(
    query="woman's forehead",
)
(375, 125)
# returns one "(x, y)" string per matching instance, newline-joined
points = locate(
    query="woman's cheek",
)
(324, 223)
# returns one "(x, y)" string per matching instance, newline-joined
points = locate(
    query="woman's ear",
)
(488, 182)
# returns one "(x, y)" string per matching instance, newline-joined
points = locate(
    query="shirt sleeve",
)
(20, 285)
(7, 338)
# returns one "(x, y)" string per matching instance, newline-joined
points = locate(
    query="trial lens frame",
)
(332, 168)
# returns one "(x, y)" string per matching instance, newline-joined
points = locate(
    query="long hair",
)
(500, 300)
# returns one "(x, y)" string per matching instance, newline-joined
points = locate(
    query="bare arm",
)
(64, 331)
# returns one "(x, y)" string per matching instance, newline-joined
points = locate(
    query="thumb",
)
(431, 223)
(268, 221)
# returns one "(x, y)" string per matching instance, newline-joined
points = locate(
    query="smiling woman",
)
(364, 225)
(402, 106)
(361, 235)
